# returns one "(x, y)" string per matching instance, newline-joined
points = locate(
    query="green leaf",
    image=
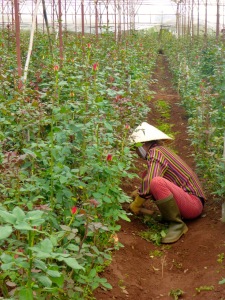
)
(93, 273)
(46, 246)
(58, 280)
(39, 264)
(106, 285)
(37, 222)
(222, 281)
(73, 247)
(18, 213)
(34, 215)
(107, 199)
(40, 254)
(63, 179)
(22, 264)
(53, 273)
(124, 217)
(44, 280)
(65, 228)
(7, 217)
(25, 294)
(7, 266)
(72, 262)
(5, 232)
(23, 226)
(108, 126)
(6, 258)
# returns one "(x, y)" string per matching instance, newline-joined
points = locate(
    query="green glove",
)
(136, 204)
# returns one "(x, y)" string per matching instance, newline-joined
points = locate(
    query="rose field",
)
(68, 169)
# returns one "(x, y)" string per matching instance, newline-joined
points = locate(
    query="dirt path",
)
(195, 263)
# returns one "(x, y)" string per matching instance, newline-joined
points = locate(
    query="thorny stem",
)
(85, 235)
(31, 243)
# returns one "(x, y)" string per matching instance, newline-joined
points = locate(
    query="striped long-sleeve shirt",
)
(165, 163)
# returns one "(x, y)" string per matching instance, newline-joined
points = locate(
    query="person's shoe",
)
(170, 213)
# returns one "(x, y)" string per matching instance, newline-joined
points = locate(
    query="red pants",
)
(190, 206)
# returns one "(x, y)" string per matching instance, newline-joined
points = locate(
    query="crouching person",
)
(168, 180)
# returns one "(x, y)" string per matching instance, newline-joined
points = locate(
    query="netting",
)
(97, 15)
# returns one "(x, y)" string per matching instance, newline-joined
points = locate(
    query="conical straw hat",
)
(146, 132)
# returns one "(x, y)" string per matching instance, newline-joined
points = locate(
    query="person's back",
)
(175, 170)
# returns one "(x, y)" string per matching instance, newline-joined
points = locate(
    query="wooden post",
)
(192, 18)
(96, 18)
(82, 16)
(217, 19)
(206, 18)
(223, 204)
(115, 27)
(18, 52)
(60, 33)
(224, 147)
(198, 22)
(47, 26)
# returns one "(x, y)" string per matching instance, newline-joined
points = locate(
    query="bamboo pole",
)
(31, 42)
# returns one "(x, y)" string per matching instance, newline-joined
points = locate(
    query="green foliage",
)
(204, 288)
(222, 281)
(163, 107)
(155, 232)
(64, 152)
(176, 294)
(220, 258)
(156, 253)
(198, 68)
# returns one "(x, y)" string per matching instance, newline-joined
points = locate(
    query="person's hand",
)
(136, 205)
(134, 194)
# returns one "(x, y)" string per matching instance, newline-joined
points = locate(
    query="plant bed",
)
(193, 267)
